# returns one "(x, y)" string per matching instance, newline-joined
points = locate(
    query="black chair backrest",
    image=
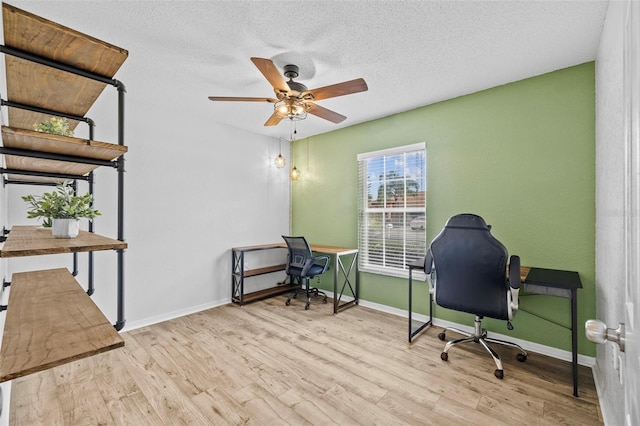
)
(299, 255)
(470, 266)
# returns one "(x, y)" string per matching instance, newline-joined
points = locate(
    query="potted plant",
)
(54, 126)
(61, 210)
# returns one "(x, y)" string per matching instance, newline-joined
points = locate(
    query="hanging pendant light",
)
(280, 161)
(295, 173)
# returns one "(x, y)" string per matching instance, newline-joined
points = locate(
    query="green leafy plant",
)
(60, 204)
(55, 126)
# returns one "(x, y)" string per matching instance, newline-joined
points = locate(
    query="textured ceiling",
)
(411, 53)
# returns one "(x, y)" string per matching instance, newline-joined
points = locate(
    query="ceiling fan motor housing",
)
(291, 71)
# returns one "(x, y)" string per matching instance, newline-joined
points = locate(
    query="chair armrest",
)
(514, 285)
(514, 272)
(428, 269)
(428, 262)
(315, 261)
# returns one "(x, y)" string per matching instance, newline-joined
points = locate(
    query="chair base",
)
(480, 336)
(309, 292)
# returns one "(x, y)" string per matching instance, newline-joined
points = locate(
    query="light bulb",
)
(295, 174)
(280, 161)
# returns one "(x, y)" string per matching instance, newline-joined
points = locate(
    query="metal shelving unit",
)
(52, 70)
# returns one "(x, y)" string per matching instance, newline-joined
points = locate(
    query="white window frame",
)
(364, 211)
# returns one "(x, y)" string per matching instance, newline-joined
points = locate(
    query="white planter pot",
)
(65, 228)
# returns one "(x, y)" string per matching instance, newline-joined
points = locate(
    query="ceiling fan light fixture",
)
(294, 109)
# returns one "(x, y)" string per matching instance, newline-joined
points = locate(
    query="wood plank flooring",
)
(268, 364)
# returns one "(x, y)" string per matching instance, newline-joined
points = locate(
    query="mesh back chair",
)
(467, 272)
(302, 266)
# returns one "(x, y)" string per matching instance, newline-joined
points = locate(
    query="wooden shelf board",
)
(265, 270)
(44, 87)
(273, 291)
(35, 240)
(51, 321)
(31, 140)
(260, 247)
(47, 87)
(47, 166)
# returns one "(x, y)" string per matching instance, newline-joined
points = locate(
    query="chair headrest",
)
(468, 221)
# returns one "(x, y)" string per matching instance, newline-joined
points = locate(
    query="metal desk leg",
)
(412, 333)
(339, 267)
(574, 339)
(336, 298)
(410, 302)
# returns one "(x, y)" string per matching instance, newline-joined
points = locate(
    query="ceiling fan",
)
(294, 100)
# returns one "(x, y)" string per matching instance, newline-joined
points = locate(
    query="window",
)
(392, 208)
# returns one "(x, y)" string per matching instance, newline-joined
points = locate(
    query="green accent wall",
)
(520, 155)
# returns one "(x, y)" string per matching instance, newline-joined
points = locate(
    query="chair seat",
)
(315, 270)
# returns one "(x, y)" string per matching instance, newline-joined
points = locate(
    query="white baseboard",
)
(175, 314)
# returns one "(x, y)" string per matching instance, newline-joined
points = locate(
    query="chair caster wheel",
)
(499, 374)
(521, 357)
(442, 336)
(324, 300)
(288, 302)
(306, 306)
(444, 356)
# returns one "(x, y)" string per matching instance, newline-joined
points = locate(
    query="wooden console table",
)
(341, 270)
(239, 274)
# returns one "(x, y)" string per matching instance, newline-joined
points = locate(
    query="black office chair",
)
(467, 271)
(302, 266)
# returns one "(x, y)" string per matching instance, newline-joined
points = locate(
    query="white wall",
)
(193, 190)
(610, 205)
(184, 209)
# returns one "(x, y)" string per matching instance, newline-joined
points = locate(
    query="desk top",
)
(553, 278)
(314, 247)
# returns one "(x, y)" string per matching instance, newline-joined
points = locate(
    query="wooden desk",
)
(238, 274)
(541, 281)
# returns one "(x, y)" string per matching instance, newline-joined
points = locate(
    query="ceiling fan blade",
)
(271, 73)
(273, 120)
(325, 113)
(339, 89)
(234, 99)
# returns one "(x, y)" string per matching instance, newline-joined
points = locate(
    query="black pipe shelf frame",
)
(31, 43)
(114, 159)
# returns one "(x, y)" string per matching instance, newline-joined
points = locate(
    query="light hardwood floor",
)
(267, 364)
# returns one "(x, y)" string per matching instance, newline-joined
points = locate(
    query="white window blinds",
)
(392, 189)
